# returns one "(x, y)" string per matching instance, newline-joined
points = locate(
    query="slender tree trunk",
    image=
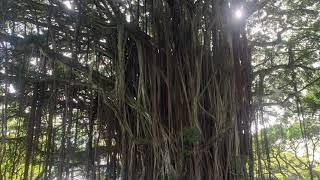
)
(91, 157)
(300, 112)
(30, 132)
(264, 137)
(62, 153)
(258, 149)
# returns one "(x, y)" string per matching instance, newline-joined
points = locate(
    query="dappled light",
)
(159, 89)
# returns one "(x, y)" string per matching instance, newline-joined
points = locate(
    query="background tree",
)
(285, 37)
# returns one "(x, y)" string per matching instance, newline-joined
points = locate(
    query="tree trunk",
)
(193, 104)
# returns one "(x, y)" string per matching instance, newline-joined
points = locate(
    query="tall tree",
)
(166, 83)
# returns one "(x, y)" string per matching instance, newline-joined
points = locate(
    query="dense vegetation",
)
(159, 89)
(285, 36)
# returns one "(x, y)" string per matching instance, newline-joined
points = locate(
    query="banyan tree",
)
(130, 89)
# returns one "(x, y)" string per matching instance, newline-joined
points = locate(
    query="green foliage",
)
(191, 136)
(285, 35)
(312, 99)
(274, 133)
(172, 177)
(89, 35)
(293, 132)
